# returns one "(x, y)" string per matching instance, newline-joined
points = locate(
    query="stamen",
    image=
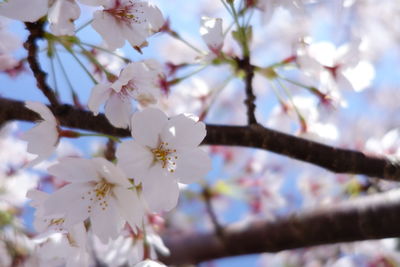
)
(162, 153)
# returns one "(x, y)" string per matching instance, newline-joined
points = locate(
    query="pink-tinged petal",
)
(106, 221)
(136, 34)
(42, 110)
(212, 33)
(62, 15)
(147, 125)
(68, 201)
(37, 197)
(99, 95)
(130, 206)
(110, 172)
(134, 159)
(74, 170)
(24, 10)
(109, 29)
(126, 75)
(94, 2)
(183, 132)
(42, 140)
(160, 190)
(192, 165)
(152, 15)
(118, 111)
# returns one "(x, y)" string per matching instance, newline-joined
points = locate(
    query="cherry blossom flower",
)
(98, 190)
(61, 13)
(150, 263)
(131, 20)
(138, 80)
(211, 31)
(340, 67)
(44, 137)
(164, 152)
(8, 44)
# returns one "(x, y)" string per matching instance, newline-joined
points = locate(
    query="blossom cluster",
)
(108, 208)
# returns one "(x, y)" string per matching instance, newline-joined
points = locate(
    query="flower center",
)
(163, 154)
(98, 195)
(127, 12)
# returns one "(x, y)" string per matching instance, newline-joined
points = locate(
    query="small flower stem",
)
(82, 66)
(207, 195)
(83, 26)
(113, 138)
(241, 31)
(94, 60)
(213, 97)
(178, 37)
(299, 115)
(107, 51)
(64, 73)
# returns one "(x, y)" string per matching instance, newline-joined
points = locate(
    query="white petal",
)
(99, 95)
(183, 132)
(211, 31)
(130, 206)
(42, 110)
(118, 111)
(192, 166)
(106, 222)
(110, 172)
(160, 191)
(147, 125)
(74, 170)
(109, 29)
(68, 201)
(62, 15)
(134, 159)
(24, 10)
(42, 139)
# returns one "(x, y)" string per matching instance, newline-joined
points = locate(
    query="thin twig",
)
(207, 195)
(36, 33)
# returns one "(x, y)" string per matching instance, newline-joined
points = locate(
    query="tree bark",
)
(370, 217)
(335, 159)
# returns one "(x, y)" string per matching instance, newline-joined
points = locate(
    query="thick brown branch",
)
(334, 159)
(36, 33)
(370, 217)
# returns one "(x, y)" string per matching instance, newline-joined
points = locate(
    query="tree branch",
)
(370, 217)
(36, 33)
(245, 65)
(331, 158)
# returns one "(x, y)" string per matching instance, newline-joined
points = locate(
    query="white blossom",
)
(131, 20)
(138, 80)
(164, 152)
(98, 190)
(61, 13)
(43, 138)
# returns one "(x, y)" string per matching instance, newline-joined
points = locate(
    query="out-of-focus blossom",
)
(341, 68)
(211, 31)
(43, 138)
(138, 80)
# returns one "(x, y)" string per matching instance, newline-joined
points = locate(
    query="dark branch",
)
(334, 159)
(244, 64)
(371, 217)
(36, 33)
